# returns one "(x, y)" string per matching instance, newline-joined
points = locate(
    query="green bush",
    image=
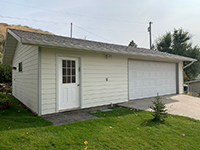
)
(159, 110)
(4, 100)
(193, 94)
(5, 73)
(9, 90)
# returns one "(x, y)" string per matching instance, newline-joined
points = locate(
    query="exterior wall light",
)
(108, 56)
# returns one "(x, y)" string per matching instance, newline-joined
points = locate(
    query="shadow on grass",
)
(151, 122)
(145, 118)
(17, 117)
(116, 111)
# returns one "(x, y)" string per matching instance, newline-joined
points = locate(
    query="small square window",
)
(20, 67)
(68, 71)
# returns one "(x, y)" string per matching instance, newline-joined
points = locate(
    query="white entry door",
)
(68, 83)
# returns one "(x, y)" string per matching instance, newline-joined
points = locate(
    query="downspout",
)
(188, 64)
(186, 67)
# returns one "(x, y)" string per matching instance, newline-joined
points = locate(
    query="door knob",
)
(78, 84)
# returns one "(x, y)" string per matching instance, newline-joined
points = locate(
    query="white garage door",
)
(147, 78)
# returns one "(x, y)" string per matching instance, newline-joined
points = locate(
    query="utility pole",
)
(149, 30)
(71, 29)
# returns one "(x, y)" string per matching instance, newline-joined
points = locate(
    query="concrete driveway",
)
(182, 105)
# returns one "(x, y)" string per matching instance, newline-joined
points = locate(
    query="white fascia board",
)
(4, 52)
(14, 35)
(193, 81)
(2, 62)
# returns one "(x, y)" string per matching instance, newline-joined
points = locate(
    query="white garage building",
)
(54, 73)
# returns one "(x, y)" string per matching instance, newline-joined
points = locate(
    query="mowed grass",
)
(119, 129)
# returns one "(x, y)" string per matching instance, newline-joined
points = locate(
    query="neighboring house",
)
(54, 73)
(194, 85)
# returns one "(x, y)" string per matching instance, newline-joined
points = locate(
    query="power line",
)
(154, 36)
(79, 15)
(35, 20)
(144, 40)
(114, 30)
(43, 21)
(92, 33)
(53, 22)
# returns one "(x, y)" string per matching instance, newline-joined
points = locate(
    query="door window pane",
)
(68, 63)
(73, 64)
(73, 71)
(64, 71)
(68, 71)
(73, 79)
(63, 63)
(69, 79)
(64, 79)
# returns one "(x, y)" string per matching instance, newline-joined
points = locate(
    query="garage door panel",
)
(147, 78)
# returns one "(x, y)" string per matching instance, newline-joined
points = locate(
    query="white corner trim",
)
(57, 83)
(81, 81)
(128, 78)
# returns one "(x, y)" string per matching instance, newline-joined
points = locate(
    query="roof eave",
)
(42, 43)
(14, 35)
(193, 81)
(9, 32)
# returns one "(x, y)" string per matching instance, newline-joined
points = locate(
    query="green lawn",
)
(119, 129)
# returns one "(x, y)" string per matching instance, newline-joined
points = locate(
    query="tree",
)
(132, 43)
(179, 42)
(160, 111)
(2, 41)
(5, 73)
(194, 70)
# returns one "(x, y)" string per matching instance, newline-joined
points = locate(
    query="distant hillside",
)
(3, 28)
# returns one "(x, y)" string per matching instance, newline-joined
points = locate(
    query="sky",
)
(110, 21)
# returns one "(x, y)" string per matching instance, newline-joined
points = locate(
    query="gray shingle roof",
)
(193, 81)
(27, 37)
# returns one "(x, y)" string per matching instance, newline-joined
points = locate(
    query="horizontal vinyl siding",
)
(194, 87)
(25, 83)
(48, 82)
(96, 68)
(96, 90)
